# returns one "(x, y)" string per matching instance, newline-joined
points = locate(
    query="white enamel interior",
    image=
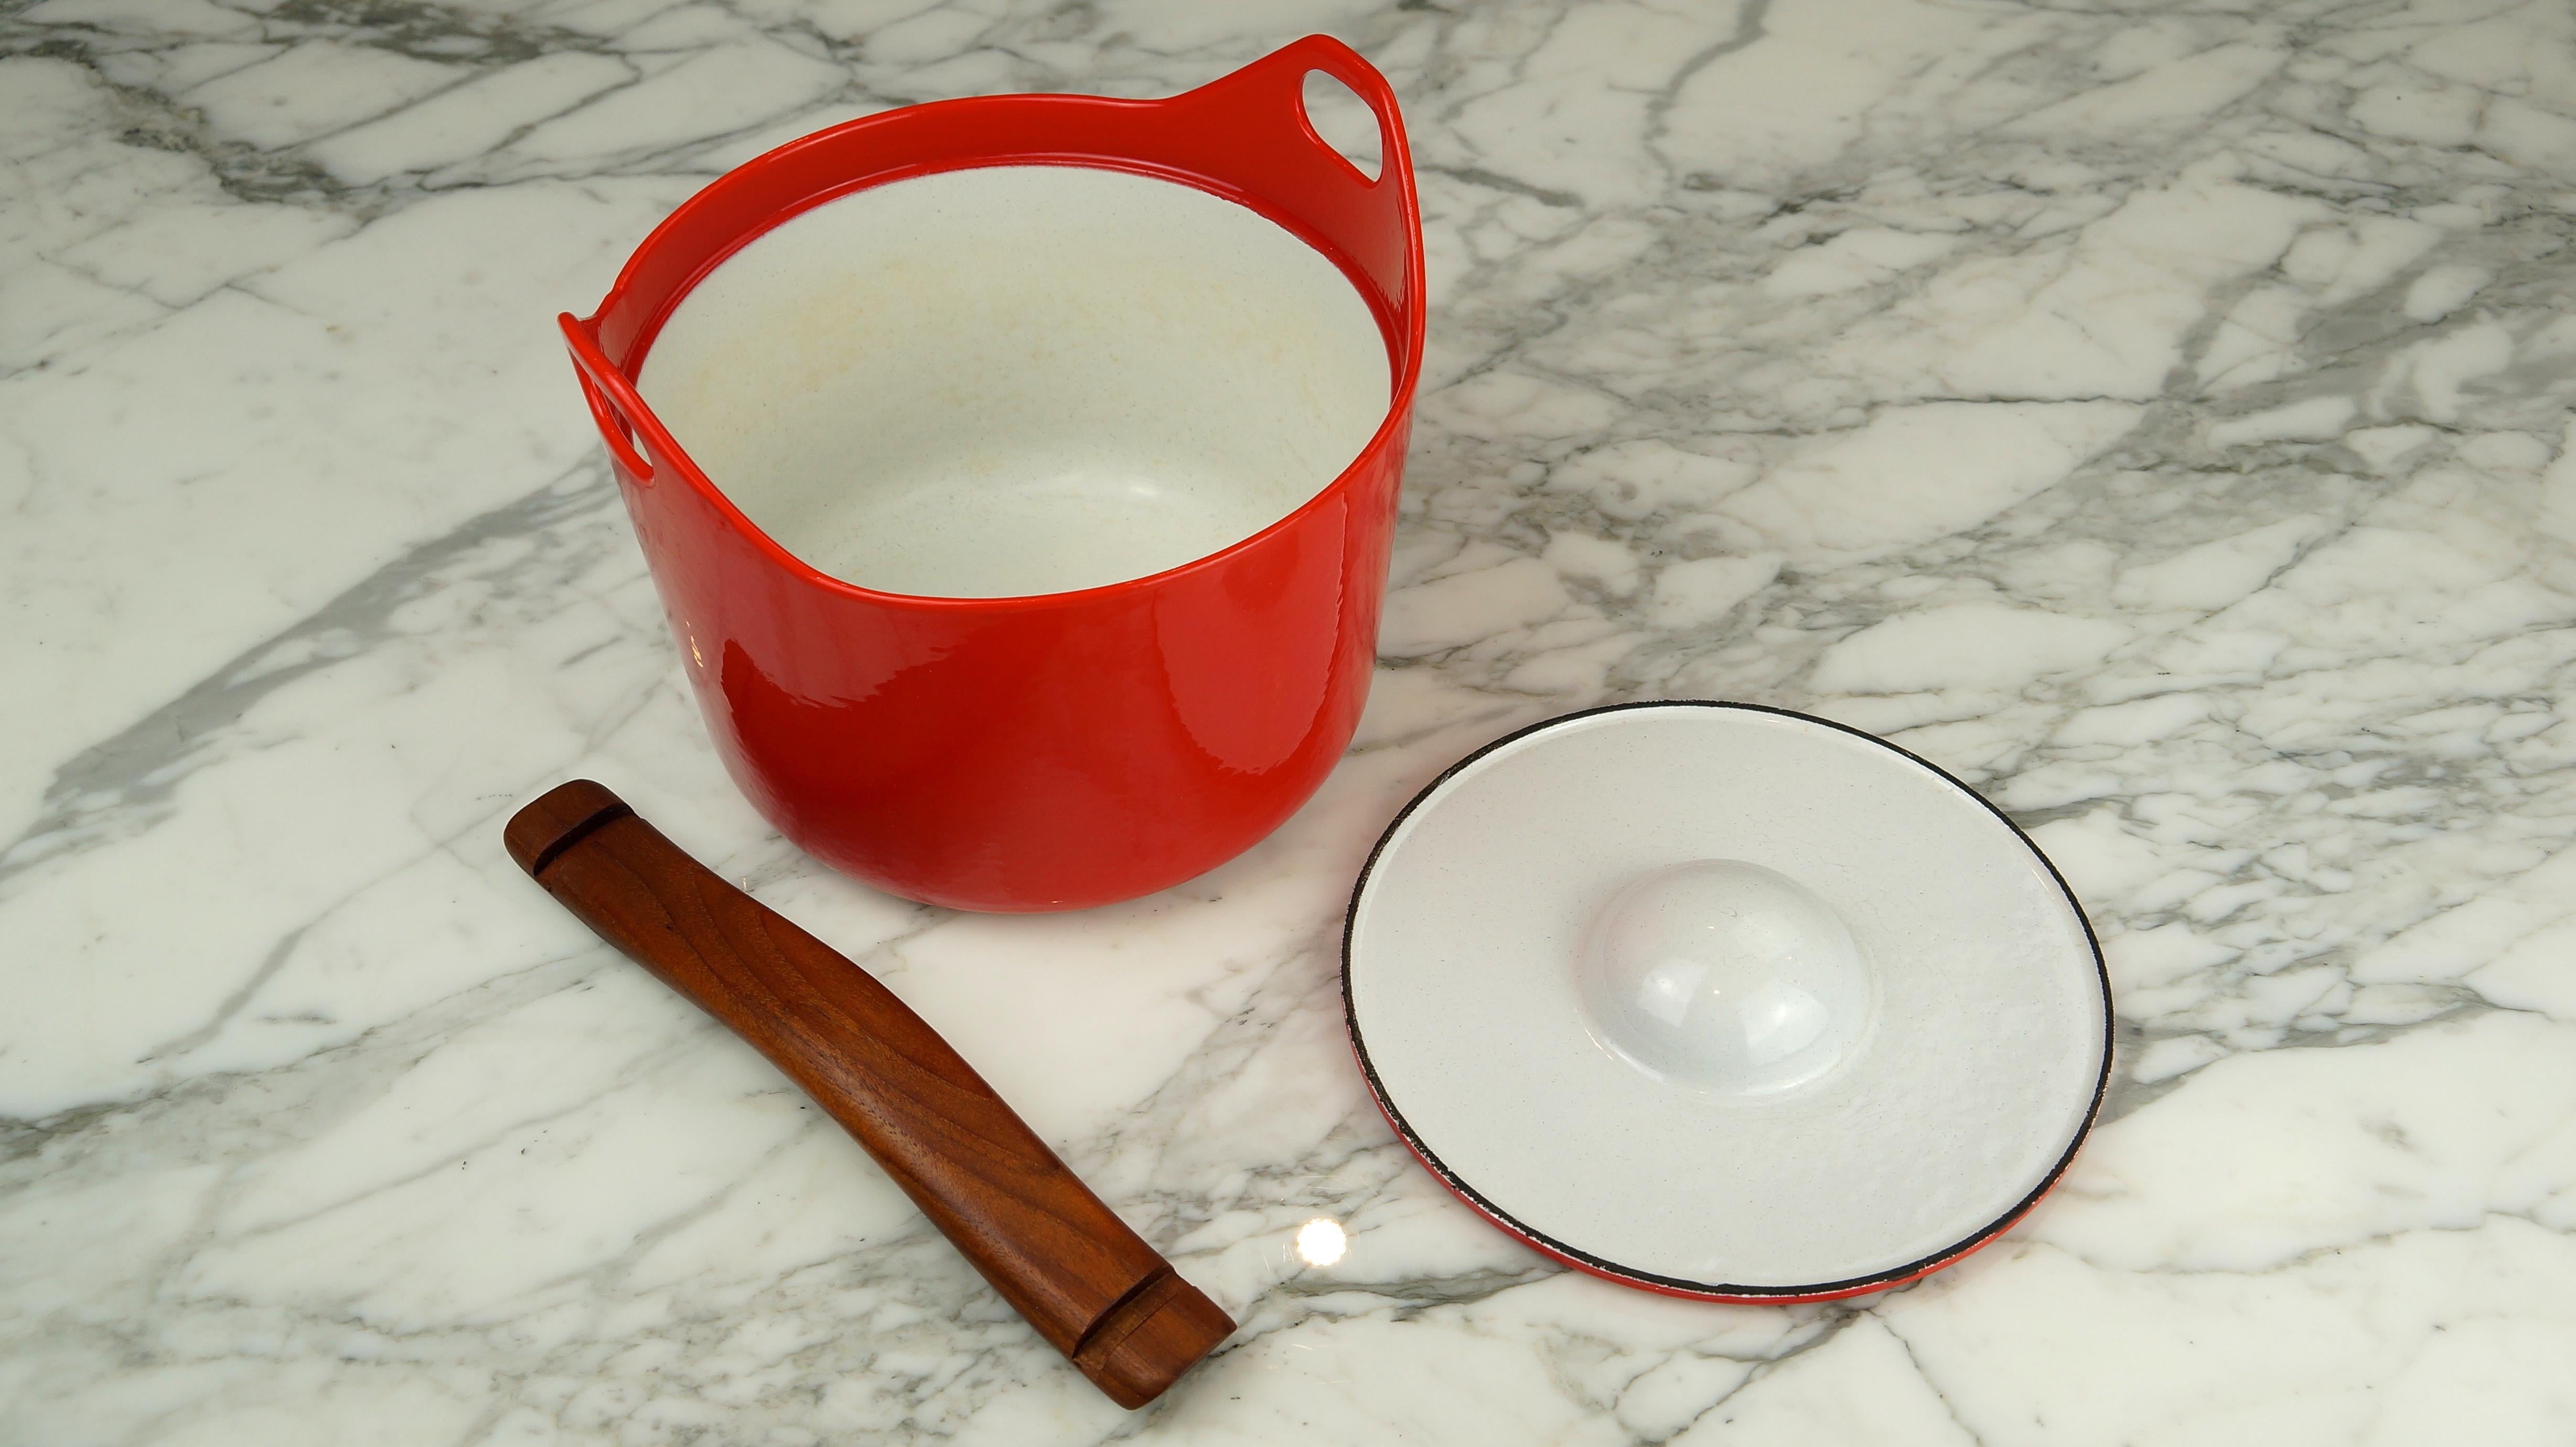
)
(1976, 1071)
(1019, 379)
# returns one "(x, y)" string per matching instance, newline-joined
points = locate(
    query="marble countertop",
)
(2157, 416)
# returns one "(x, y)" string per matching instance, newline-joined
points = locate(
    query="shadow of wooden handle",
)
(1090, 1285)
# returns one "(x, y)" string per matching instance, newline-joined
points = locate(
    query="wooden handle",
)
(1090, 1285)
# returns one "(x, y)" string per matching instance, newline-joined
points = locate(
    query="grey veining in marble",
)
(2157, 415)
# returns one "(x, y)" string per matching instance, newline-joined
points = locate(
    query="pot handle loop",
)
(1323, 54)
(614, 403)
(1259, 112)
(1280, 77)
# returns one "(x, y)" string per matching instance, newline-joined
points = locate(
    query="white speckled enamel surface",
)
(1020, 379)
(1979, 1057)
(2157, 417)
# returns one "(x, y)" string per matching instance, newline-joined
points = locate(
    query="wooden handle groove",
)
(1089, 1284)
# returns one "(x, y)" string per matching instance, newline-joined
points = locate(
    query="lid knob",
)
(1725, 976)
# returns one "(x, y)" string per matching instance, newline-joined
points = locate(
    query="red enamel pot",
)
(1053, 749)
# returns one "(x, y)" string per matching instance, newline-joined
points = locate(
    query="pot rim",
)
(619, 409)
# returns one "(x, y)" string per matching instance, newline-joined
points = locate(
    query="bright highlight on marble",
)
(1321, 1242)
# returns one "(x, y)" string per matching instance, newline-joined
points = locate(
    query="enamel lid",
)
(1725, 1001)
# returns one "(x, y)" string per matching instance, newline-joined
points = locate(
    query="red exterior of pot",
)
(1052, 752)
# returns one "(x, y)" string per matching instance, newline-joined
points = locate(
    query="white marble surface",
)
(2156, 415)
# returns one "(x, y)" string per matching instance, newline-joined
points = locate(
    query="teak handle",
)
(1090, 1285)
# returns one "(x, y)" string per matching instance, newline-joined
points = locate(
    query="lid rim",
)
(1681, 1286)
